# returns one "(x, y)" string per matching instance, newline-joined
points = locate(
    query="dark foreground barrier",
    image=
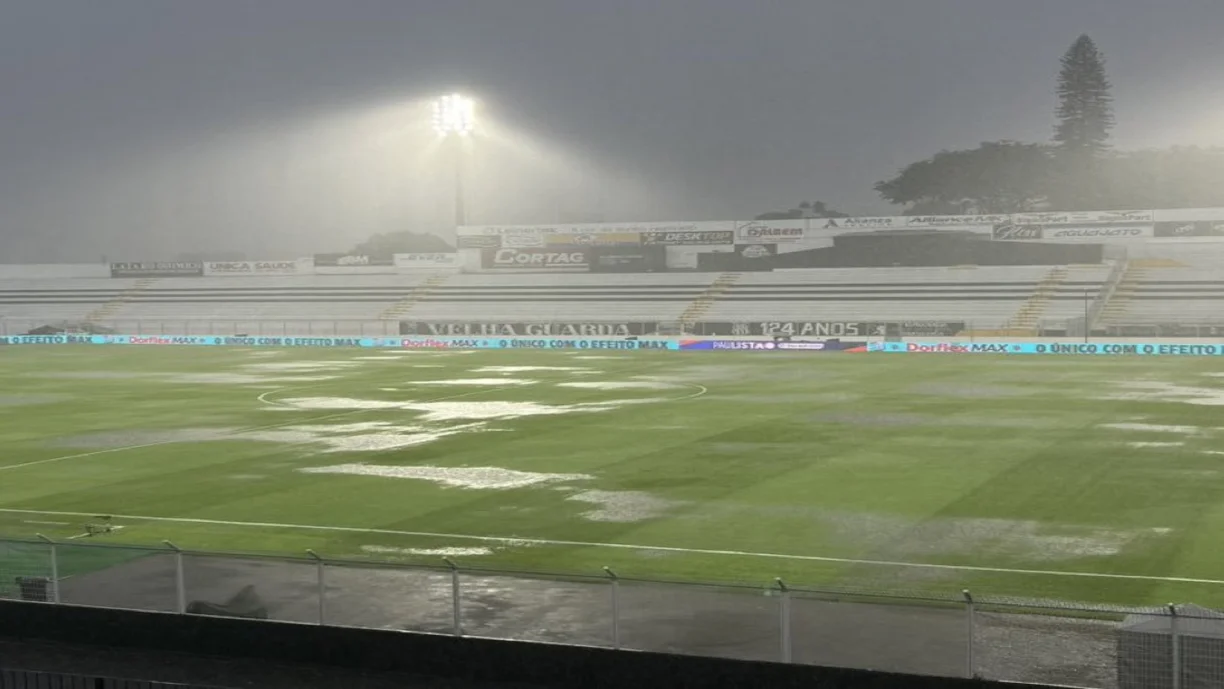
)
(21, 679)
(440, 656)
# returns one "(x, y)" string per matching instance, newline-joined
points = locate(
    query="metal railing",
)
(956, 633)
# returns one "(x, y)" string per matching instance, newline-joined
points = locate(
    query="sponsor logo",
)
(352, 260)
(251, 267)
(958, 348)
(522, 241)
(801, 345)
(516, 258)
(156, 269)
(707, 237)
(479, 241)
(855, 223)
(1107, 232)
(423, 261)
(761, 230)
(625, 329)
(721, 344)
(1008, 231)
(611, 239)
(755, 251)
(1125, 216)
(955, 220)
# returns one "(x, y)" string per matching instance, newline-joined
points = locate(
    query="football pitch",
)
(1078, 478)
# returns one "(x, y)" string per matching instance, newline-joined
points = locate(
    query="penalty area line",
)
(509, 540)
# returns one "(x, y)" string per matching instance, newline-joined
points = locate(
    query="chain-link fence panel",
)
(112, 576)
(572, 610)
(1047, 643)
(286, 590)
(26, 570)
(381, 596)
(719, 621)
(863, 631)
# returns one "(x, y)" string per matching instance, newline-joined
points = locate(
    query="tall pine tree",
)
(1085, 116)
(1085, 106)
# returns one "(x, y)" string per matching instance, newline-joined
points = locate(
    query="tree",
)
(996, 177)
(403, 243)
(1085, 116)
(1085, 106)
(807, 209)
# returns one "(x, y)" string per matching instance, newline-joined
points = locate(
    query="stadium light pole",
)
(454, 119)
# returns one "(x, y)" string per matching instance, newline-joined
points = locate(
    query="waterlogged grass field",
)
(1083, 478)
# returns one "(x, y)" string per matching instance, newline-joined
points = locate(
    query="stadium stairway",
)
(697, 309)
(1026, 318)
(401, 308)
(1120, 301)
(112, 307)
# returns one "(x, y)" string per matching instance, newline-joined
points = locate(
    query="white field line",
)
(295, 422)
(506, 540)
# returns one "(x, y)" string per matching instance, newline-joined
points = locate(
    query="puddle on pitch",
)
(427, 552)
(622, 506)
(474, 478)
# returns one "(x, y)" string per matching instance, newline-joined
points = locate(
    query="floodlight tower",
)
(454, 119)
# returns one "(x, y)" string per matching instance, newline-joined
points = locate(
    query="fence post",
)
(320, 569)
(456, 597)
(616, 642)
(54, 555)
(784, 610)
(180, 579)
(970, 664)
(1175, 644)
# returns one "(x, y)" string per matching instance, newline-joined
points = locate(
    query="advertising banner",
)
(628, 259)
(248, 268)
(609, 239)
(520, 329)
(587, 228)
(827, 328)
(771, 346)
(1023, 233)
(353, 264)
(1083, 217)
(542, 260)
(1098, 233)
(934, 221)
(864, 223)
(1202, 228)
(769, 231)
(391, 342)
(522, 241)
(156, 269)
(755, 251)
(701, 238)
(352, 260)
(1056, 348)
(478, 241)
(410, 262)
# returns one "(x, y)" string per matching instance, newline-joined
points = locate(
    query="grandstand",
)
(985, 296)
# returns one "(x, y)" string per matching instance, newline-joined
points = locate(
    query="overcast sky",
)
(142, 128)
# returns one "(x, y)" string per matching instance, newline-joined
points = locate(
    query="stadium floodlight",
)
(454, 114)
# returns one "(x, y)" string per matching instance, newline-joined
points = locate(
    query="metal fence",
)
(959, 634)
